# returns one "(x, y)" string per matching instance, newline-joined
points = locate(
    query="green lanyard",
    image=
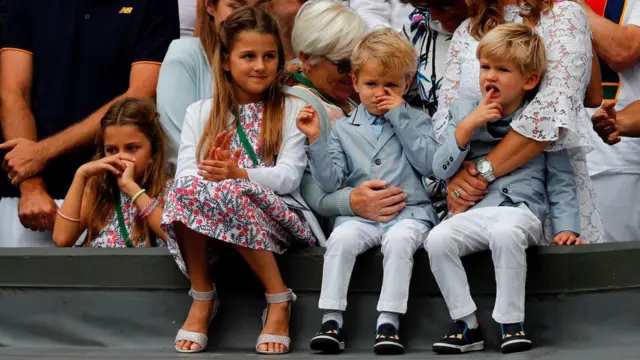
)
(123, 227)
(306, 82)
(245, 142)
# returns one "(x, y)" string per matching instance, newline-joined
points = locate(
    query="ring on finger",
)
(456, 193)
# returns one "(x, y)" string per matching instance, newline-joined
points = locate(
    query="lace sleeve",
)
(450, 85)
(559, 102)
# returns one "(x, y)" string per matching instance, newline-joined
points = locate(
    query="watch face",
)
(484, 167)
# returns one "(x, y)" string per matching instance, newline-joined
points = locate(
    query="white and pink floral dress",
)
(110, 236)
(236, 211)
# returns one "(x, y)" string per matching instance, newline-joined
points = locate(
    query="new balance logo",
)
(126, 10)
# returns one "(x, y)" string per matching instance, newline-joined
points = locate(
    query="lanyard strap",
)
(123, 228)
(245, 143)
(306, 82)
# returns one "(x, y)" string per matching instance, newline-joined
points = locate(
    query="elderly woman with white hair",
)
(324, 36)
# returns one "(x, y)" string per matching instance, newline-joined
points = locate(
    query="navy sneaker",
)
(329, 339)
(460, 339)
(388, 341)
(514, 339)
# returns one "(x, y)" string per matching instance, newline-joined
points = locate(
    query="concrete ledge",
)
(552, 270)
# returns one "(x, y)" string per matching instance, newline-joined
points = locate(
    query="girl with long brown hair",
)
(118, 197)
(554, 119)
(239, 167)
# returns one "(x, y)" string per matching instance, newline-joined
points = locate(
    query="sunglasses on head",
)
(343, 66)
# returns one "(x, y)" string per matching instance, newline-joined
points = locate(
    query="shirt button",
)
(87, 16)
(450, 158)
(444, 167)
(506, 191)
(378, 161)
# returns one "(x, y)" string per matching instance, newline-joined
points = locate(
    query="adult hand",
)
(36, 209)
(373, 201)
(25, 159)
(567, 238)
(470, 186)
(605, 123)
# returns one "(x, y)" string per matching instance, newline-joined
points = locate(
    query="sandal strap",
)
(196, 337)
(204, 295)
(281, 297)
(276, 339)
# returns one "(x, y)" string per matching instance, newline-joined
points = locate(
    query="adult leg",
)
(193, 247)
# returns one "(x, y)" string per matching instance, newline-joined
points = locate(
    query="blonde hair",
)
(141, 113)
(517, 43)
(487, 14)
(389, 49)
(244, 19)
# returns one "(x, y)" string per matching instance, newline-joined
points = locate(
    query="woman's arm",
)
(176, 88)
(594, 96)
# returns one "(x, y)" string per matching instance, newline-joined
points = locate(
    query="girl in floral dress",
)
(240, 163)
(117, 198)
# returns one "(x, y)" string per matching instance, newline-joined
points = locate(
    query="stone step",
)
(136, 299)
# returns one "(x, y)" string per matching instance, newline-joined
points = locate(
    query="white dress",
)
(558, 103)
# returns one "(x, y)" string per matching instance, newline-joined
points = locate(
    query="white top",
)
(283, 178)
(623, 157)
(558, 103)
(382, 13)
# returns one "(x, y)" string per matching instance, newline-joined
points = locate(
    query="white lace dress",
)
(558, 104)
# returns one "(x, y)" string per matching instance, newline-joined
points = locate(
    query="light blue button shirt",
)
(377, 123)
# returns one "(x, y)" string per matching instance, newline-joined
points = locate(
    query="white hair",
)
(327, 28)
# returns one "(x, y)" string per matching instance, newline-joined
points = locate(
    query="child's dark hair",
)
(141, 113)
(244, 19)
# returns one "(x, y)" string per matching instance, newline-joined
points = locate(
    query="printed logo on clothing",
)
(126, 10)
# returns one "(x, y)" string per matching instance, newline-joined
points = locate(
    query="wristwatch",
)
(485, 169)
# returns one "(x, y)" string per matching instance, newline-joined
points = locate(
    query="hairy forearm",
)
(616, 45)
(78, 135)
(514, 151)
(17, 118)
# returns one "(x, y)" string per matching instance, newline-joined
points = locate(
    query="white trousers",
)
(14, 234)
(399, 243)
(618, 198)
(508, 232)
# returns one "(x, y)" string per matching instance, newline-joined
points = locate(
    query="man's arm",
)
(618, 46)
(628, 120)
(142, 83)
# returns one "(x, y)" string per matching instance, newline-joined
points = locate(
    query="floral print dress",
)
(110, 236)
(235, 211)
